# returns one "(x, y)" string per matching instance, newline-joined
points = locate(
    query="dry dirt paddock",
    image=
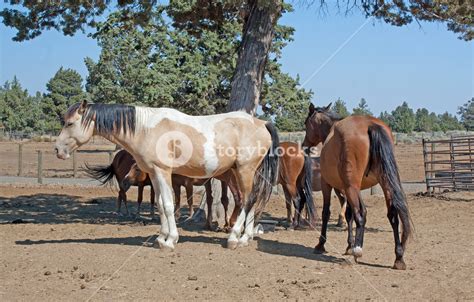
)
(75, 248)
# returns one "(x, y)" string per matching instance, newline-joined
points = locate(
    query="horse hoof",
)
(243, 243)
(357, 252)
(232, 244)
(319, 249)
(166, 247)
(399, 265)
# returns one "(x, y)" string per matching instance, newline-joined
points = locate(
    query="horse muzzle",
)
(61, 154)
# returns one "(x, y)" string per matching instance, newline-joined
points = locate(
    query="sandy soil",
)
(78, 249)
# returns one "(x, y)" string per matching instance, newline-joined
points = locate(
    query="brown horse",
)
(119, 168)
(300, 174)
(165, 141)
(357, 154)
(188, 183)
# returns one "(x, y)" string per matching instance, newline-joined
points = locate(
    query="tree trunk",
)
(256, 41)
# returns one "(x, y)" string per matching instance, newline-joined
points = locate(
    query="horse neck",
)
(325, 128)
(127, 141)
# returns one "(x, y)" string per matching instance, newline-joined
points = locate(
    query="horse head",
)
(74, 132)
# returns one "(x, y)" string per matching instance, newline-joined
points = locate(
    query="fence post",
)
(111, 158)
(40, 167)
(453, 167)
(372, 190)
(74, 165)
(20, 159)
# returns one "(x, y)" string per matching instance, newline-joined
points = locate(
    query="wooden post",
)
(111, 156)
(40, 167)
(432, 166)
(451, 160)
(74, 165)
(372, 190)
(20, 159)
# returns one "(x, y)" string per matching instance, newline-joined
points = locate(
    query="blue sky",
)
(386, 65)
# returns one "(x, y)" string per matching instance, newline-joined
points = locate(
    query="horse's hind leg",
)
(209, 201)
(342, 201)
(359, 213)
(139, 199)
(225, 202)
(350, 234)
(177, 199)
(392, 215)
(326, 190)
(123, 197)
(288, 202)
(189, 198)
(245, 180)
(152, 202)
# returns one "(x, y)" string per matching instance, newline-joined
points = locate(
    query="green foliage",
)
(403, 119)
(466, 112)
(190, 70)
(64, 89)
(425, 121)
(18, 111)
(449, 122)
(31, 18)
(340, 108)
(362, 108)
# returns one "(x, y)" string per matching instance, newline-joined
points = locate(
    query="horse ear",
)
(328, 107)
(83, 107)
(311, 108)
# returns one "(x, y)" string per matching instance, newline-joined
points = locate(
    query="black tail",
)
(104, 174)
(266, 175)
(383, 157)
(307, 192)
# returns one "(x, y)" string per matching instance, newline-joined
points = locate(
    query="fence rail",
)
(449, 164)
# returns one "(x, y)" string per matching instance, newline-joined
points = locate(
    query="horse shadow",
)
(276, 247)
(64, 209)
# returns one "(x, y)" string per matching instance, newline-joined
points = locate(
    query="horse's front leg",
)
(168, 232)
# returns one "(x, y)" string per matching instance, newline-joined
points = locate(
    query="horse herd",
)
(167, 149)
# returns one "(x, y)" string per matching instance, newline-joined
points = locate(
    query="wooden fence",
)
(449, 164)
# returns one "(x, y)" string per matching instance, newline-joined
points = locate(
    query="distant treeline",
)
(41, 113)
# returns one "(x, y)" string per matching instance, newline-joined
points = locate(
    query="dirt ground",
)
(75, 248)
(409, 158)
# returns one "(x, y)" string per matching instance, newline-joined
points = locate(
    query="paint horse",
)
(300, 175)
(165, 141)
(119, 168)
(188, 183)
(357, 154)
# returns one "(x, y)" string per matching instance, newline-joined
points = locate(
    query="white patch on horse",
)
(150, 117)
(211, 161)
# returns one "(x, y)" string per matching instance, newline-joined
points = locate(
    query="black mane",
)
(110, 118)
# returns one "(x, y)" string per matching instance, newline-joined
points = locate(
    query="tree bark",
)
(257, 38)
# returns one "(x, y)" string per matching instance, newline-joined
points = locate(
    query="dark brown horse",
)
(300, 175)
(357, 154)
(119, 168)
(178, 181)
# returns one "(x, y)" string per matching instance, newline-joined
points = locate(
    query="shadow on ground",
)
(61, 209)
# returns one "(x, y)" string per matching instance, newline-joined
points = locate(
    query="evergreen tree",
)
(403, 119)
(64, 89)
(18, 111)
(448, 122)
(387, 118)
(466, 112)
(340, 108)
(362, 108)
